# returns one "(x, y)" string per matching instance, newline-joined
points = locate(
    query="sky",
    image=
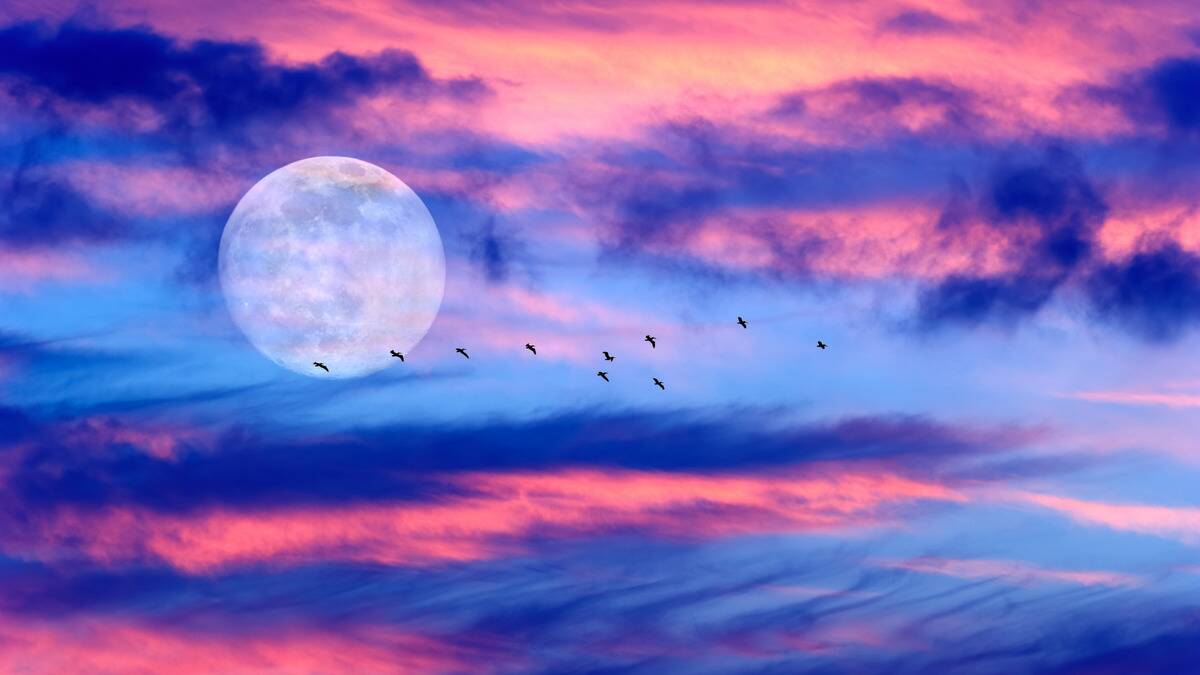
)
(990, 212)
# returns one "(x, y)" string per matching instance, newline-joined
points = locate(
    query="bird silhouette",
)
(462, 351)
(821, 345)
(741, 322)
(531, 348)
(658, 383)
(602, 375)
(397, 355)
(650, 339)
(608, 357)
(318, 364)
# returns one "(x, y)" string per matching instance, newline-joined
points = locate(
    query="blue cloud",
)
(1155, 292)
(223, 83)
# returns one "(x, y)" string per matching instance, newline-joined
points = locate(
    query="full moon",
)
(333, 260)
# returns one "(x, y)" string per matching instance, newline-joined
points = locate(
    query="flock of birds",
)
(602, 374)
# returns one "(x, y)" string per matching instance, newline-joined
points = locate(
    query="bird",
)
(741, 322)
(821, 345)
(322, 366)
(462, 351)
(398, 355)
(602, 375)
(531, 348)
(650, 339)
(608, 357)
(658, 383)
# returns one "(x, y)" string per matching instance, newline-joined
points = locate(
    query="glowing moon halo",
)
(332, 259)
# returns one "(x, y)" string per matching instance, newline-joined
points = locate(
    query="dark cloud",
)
(165, 102)
(1155, 292)
(39, 208)
(205, 83)
(1193, 34)
(1166, 95)
(1174, 86)
(1171, 646)
(79, 463)
(613, 605)
(1048, 213)
(495, 251)
(878, 106)
(919, 22)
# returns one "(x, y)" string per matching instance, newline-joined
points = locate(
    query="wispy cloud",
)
(486, 516)
(1139, 398)
(1010, 571)
(1172, 522)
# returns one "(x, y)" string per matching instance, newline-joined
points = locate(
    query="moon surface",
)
(335, 260)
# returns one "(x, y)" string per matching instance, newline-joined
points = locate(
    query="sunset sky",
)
(990, 211)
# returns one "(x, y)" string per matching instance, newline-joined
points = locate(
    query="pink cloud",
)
(897, 238)
(154, 190)
(589, 69)
(564, 326)
(493, 517)
(158, 441)
(1140, 398)
(121, 646)
(1171, 522)
(1011, 571)
(23, 270)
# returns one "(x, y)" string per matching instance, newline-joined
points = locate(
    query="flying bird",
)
(531, 348)
(821, 345)
(650, 339)
(602, 375)
(398, 355)
(462, 351)
(608, 357)
(741, 322)
(658, 383)
(322, 366)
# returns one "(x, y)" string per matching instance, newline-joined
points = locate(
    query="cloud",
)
(1172, 646)
(1048, 213)
(492, 514)
(82, 463)
(112, 644)
(1171, 522)
(1140, 398)
(115, 490)
(920, 22)
(22, 270)
(207, 83)
(1162, 96)
(39, 208)
(1011, 571)
(1154, 293)
(495, 251)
